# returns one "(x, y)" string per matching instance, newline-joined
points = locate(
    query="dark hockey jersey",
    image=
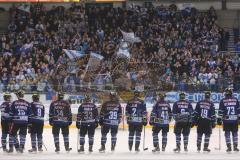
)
(38, 111)
(60, 113)
(182, 111)
(20, 111)
(87, 114)
(5, 109)
(161, 114)
(136, 111)
(111, 113)
(204, 110)
(229, 110)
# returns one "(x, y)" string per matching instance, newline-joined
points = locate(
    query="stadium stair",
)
(4, 19)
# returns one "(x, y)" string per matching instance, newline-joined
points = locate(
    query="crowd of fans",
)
(179, 49)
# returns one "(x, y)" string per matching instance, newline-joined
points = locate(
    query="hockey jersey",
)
(182, 111)
(5, 109)
(204, 110)
(111, 113)
(161, 114)
(60, 113)
(20, 111)
(38, 111)
(229, 110)
(136, 111)
(87, 114)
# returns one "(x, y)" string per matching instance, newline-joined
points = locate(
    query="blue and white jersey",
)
(229, 110)
(136, 111)
(205, 110)
(5, 109)
(161, 114)
(87, 114)
(182, 111)
(111, 113)
(60, 113)
(20, 111)
(38, 111)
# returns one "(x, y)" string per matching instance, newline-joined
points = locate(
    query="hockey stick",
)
(44, 146)
(78, 139)
(144, 138)
(219, 139)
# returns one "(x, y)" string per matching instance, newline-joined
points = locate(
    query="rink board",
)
(121, 152)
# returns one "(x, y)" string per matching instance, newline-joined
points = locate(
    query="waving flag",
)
(24, 7)
(73, 54)
(130, 37)
(123, 51)
(26, 47)
(94, 61)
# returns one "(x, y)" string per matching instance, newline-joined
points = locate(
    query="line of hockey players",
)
(19, 115)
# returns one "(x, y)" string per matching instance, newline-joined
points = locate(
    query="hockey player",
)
(60, 118)
(5, 119)
(87, 122)
(183, 114)
(110, 117)
(36, 123)
(205, 120)
(20, 112)
(228, 114)
(136, 114)
(160, 118)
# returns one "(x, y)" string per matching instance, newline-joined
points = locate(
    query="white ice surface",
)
(122, 152)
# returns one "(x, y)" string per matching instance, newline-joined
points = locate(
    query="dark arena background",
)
(96, 48)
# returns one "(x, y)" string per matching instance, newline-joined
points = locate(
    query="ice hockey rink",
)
(122, 152)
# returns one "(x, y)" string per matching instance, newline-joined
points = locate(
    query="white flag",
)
(123, 51)
(73, 54)
(94, 61)
(130, 37)
(24, 7)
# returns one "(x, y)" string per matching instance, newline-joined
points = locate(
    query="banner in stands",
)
(149, 98)
(195, 97)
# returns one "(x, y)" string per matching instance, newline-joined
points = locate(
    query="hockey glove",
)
(78, 125)
(51, 121)
(96, 124)
(100, 122)
(219, 121)
(29, 128)
(213, 125)
(192, 125)
(144, 121)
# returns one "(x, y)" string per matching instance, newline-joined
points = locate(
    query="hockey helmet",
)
(136, 94)
(228, 92)
(20, 93)
(207, 94)
(182, 95)
(35, 97)
(162, 95)
(7, 96)
(60, 95)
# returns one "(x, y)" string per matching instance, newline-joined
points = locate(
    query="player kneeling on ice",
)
(36, 123)
(5, 120)
(136, 114)
(204, 119)
(183, 114)
(229, 113)
(110, 117)
(20, 112)
(60, 117)
(87, 122)
(160, 118)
